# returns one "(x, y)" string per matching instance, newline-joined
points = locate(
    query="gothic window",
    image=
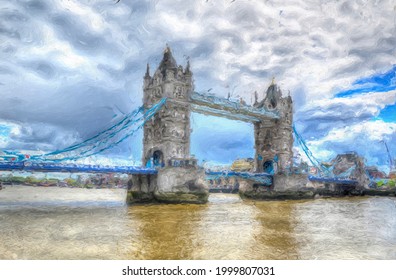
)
(158, 92)
(148, 134)
(178, 93)
(267, 141)
(179, 150)
(273, 102)
(170, 74)
(179, 72)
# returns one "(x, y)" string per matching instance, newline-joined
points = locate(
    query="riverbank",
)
(313, 193)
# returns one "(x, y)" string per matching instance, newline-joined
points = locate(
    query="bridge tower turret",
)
(274, 138)
(167, 134)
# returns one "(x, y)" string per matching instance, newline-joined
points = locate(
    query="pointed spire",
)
(168, 62)
(188, 68)
(147, 71)
(167, 49)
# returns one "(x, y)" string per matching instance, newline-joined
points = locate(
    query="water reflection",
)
(164, 231)
(274, 237)
(226, 229)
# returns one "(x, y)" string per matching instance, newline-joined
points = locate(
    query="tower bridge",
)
(167, 135)
(169, 172)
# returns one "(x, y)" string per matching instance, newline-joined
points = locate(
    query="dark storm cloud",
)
(72, 30)
(10, 33)
(42, 68)
(36, 7)
(41, 136)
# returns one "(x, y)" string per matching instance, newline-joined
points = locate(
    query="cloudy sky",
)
(69, 69)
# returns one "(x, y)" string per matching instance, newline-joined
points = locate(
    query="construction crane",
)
(390, 157)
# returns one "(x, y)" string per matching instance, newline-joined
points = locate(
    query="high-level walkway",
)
(234, 110)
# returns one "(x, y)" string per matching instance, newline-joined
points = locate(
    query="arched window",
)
(268, 167)
(158, 159)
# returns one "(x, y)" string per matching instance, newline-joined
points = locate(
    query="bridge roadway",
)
(73, 168)
(334, 180)
(84, 168)
(263, 178)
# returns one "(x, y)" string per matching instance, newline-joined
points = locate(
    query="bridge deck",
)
(213, 105)
(259, 178)
(50, 167)
(334, 180)
(263, 178)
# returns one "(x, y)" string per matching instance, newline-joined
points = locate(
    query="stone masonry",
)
(167, 134)
(274, 138)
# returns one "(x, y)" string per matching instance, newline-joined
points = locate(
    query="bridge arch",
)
(269, 166)
(154, 158)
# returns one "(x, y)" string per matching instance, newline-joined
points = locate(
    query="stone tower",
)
(274, 138)
(167, 134)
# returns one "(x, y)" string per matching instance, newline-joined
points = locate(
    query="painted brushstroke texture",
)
(68, 69)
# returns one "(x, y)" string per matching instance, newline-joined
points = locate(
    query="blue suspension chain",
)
(102, 141)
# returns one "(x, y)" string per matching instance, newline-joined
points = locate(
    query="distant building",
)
(375, 173)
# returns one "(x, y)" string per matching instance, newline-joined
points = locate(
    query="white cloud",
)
(365, 138)
(373, 131)
(368, 103)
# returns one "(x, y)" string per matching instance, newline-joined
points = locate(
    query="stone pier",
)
(170, 185)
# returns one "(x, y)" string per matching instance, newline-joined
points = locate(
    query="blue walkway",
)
(73, 168)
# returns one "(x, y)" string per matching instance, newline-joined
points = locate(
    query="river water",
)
(63, 223)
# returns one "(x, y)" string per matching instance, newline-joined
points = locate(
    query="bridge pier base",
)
(141, 188)
(284, 186)
(171, 185)
(181, 185)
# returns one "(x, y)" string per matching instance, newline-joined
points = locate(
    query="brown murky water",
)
(56, 223)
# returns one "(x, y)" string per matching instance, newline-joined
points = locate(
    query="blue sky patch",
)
(388, 114)
(376, 83)
(4, 130)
